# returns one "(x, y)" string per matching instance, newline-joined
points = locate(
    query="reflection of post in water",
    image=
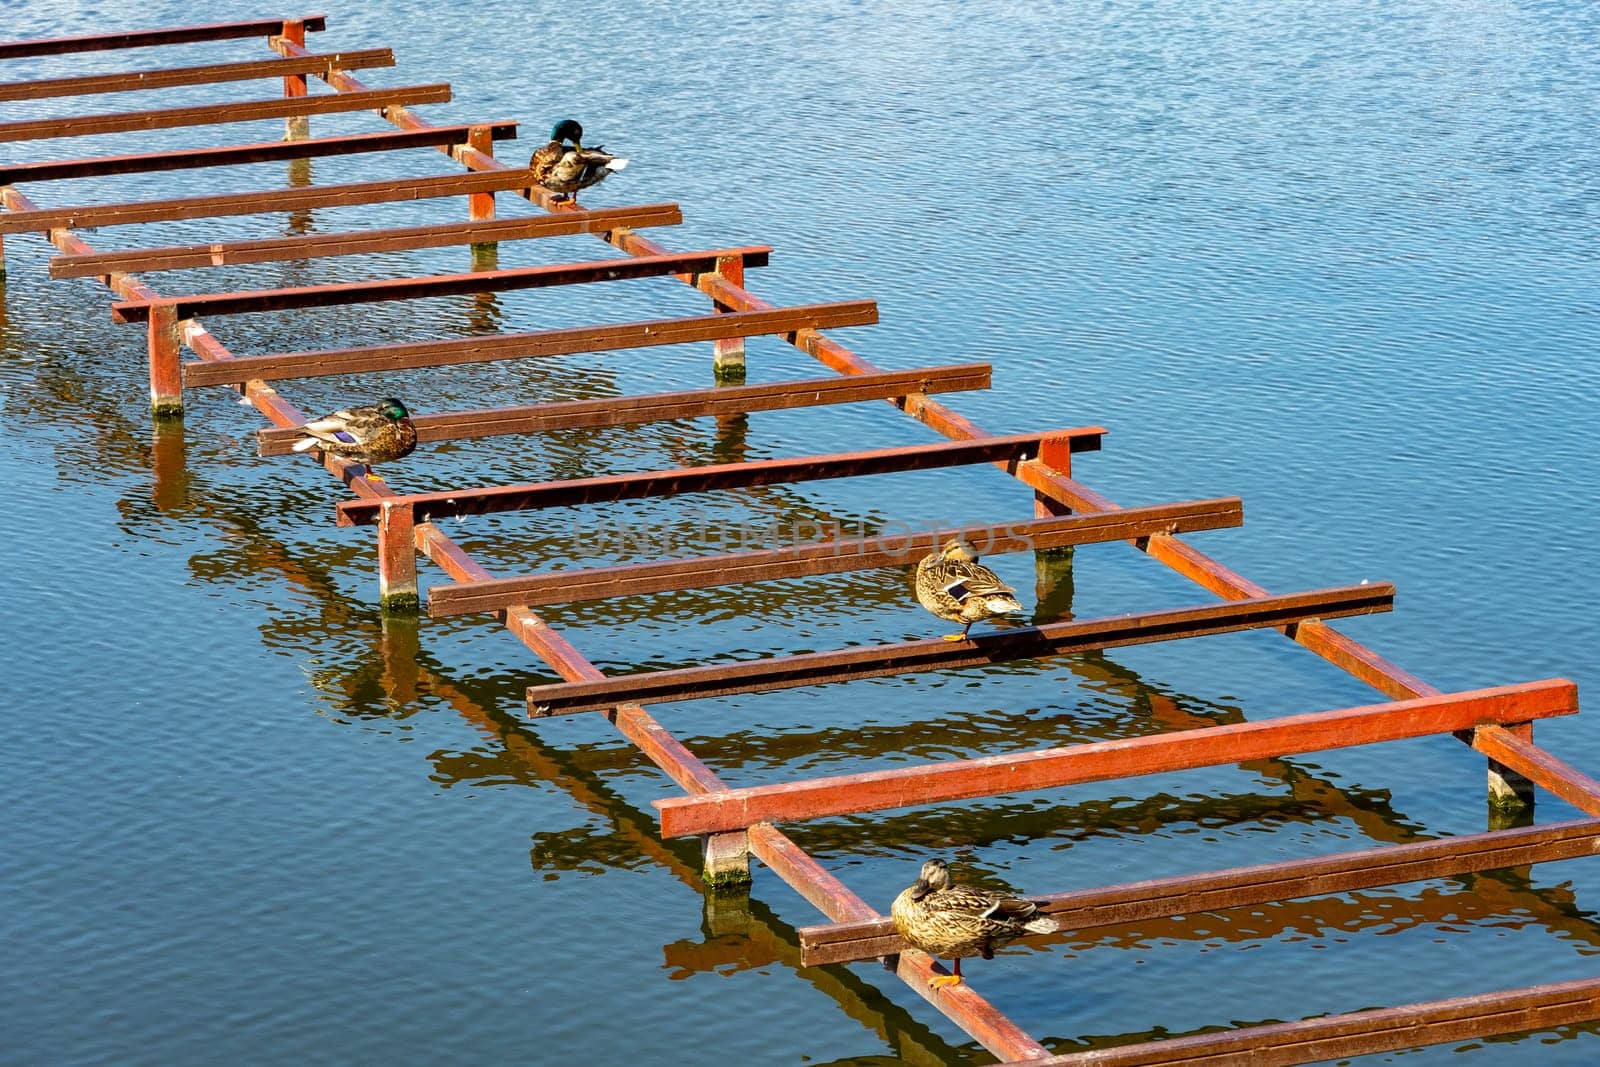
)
(169, 464)
(732, 442)
(1052, 570)
(400, 642)
(484, 316)
(300, 220)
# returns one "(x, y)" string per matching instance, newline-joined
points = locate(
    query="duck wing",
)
(545, 158)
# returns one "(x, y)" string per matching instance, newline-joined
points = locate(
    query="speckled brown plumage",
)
(953, 585)
(376, 433)
(951, 921)
(565, 168)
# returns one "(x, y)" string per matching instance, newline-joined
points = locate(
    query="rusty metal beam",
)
(688, 404)
(1102, 760)
(101, 42)
(1334, 1037)
(487, 281)
(407, 356)
(394, 239)
(207, 114)
(1539, 766)
(232, 155)
(825, 557)
(1131, 902)
(169, 77)
(878, 661)
(251, 203)
(638, 486)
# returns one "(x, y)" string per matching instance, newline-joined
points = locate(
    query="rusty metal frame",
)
(318, 63)
(881, 661)
(392, 239)
(420, 288)
(205, 114)
(1345, 872)
(214, 31)
(454, 503)
(834, 556)
(259, 202)
(370, 359)
(687, 404)
(1098, 761)
(1509, 745)
(260, 152)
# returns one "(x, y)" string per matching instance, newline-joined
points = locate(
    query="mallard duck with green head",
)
(376, 433)
(949, 921)
(565, 168)
(953, 585)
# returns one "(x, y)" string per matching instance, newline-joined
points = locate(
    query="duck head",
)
(934, 877)
(393, 409)
(568, 130)
(957, 549)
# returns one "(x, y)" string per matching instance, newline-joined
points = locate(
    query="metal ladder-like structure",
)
(736, 824)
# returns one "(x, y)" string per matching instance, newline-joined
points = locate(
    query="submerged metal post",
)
(727, 859)
(1510, 794)
(727, 355)
(1052, 567)
(397, 557)
(166, 372)
(295, 127)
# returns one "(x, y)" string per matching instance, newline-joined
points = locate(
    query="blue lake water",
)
(1337, 259)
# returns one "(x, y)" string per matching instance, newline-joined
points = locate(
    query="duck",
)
(953, 585)
(376, 433)
(950, 921)
(563, 168)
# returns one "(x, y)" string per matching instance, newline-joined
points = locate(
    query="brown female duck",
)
(953, 585)
(951, 921)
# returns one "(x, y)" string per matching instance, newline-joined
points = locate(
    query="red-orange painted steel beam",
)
(392, 239)
(1334, 1037)
(880, 661)
(1190, 894)
(208, 114)
(266, 200)
(1539, 766)
(169, 77)
(537, 343)
(825, 557)
(1102, 760)
(420, 288)
(688, 404)
(101, 42)
(233, 155)
(716, 476)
